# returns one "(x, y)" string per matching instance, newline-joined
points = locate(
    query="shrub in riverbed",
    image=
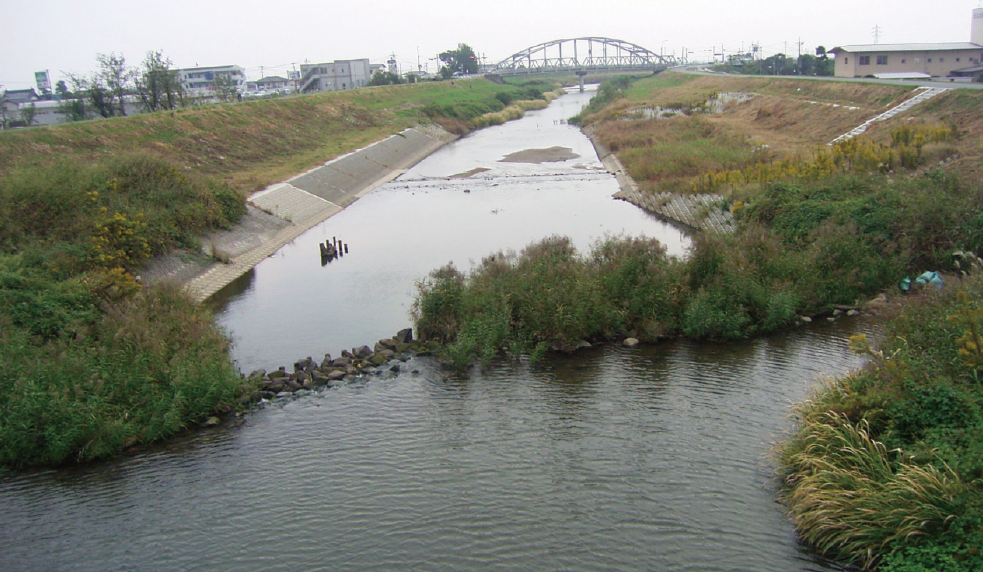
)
(645, 288)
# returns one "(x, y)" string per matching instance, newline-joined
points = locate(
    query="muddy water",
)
(613, 459)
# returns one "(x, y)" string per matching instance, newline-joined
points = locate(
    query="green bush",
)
(154, 365)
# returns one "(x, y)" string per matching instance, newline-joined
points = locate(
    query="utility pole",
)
(798, 60)
(877, 34)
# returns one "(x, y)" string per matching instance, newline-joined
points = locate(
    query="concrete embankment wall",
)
(282, 212)
(696, 212)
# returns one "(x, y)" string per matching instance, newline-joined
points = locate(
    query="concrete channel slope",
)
(282, 212)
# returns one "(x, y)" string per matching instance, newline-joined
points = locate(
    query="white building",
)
(337, 75)
(205, 82)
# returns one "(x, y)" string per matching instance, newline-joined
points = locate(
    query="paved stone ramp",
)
(926, 94)
(699, 212)
(282, 212)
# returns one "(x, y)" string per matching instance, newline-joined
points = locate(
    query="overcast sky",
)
(272, 36)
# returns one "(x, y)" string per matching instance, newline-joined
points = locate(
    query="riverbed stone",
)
(630, 342)
(282, 372)
(362, 352)
(337, 374)
(302, 364)
(275, 384)
(256, 375)
(404, 336)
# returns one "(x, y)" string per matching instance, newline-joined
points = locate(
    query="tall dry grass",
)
(853, 499)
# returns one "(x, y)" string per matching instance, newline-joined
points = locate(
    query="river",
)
(612, 459)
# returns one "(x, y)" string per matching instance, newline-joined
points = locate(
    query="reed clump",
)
(852, 501)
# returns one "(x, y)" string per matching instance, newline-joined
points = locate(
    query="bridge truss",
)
(582, 55)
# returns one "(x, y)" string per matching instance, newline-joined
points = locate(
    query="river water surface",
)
(613, 459)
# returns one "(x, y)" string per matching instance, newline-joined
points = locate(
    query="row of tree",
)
(462, 61)
(103, 92)
(158, 87)
(780, 64)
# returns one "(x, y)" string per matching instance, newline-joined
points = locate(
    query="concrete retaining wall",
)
(282, 212)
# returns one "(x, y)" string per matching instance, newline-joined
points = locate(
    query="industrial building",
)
(954, 61)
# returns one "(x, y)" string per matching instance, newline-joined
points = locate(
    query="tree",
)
(114, 74)
(460, 61)
(157, 84)
(28, 113)
(824, 66)
(74, 108)
(385, 78)
(225, 87)
(61, 90)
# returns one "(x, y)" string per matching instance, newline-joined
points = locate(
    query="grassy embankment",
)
(817, 227)
(91, 362)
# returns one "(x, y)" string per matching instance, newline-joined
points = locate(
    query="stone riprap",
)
(282, 212)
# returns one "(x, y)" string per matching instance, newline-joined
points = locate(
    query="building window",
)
(958, 59)
(846, 61)
(902, 60)
(882, 60)
(864, 60)
(941, 60)
(929, 60)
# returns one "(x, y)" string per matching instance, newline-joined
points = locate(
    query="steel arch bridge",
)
(583, 55)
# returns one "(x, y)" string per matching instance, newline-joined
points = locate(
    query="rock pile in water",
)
(309, 374)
